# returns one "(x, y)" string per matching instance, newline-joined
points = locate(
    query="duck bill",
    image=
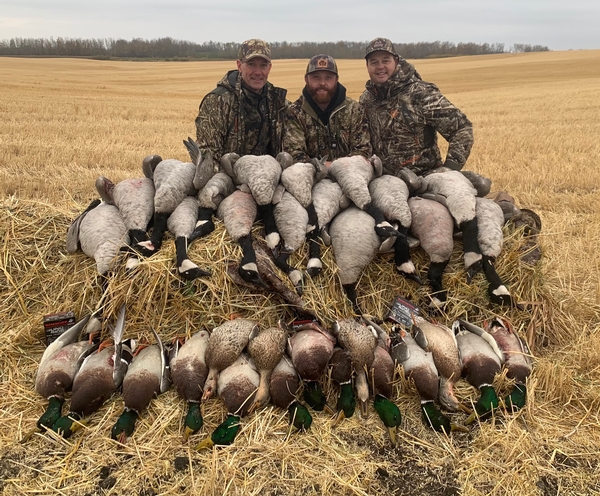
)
(364, 409)
(187, 432)
(207, 394)
(465, 409)
(205, 444)
(29, 435)
(392, 433)
(458, 428)
(337, 419)
(329, 410)
(79, 424)
(471, 418)
(253, 407)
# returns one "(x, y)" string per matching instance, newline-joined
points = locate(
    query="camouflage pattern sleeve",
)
(294, 138)
(212, 125)
(451, 123)
(361, 137)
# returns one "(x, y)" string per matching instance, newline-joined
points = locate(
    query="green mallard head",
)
(346, 403)
(193, 420)
(517, 398)
(52, 413)
(314, 396)
(299, 416)
(224, 434)
(389, 414)
(488, 401)
(434, 418)
(68, 424)
(124, 426)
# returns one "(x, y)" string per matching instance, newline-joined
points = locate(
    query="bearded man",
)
(324, 122)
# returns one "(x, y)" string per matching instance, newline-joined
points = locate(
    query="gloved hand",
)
(451, 164)
(415, 184)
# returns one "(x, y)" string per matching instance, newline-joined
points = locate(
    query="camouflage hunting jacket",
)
(346, 132)
(405, 114)
(231, 118)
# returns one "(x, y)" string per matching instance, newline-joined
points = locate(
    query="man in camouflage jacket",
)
(324, 122)
(406, 113)
(245, 113)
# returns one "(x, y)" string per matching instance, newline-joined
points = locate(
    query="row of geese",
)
(248, 366)
(350, 205)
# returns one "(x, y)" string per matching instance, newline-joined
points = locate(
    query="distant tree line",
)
(171, 49)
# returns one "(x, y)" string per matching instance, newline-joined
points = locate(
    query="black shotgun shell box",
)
(57, 323)
(402, 312)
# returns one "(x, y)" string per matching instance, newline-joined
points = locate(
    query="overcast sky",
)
(558, 24)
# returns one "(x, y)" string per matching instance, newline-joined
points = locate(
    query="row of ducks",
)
(249, 366)
(350, 205)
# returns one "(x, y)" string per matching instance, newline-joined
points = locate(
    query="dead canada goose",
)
(182, 224)
(238, 212)
(354, 174)
(433, 226)
(355, 244)
(390, 195)
(259, 176)
(135, 200)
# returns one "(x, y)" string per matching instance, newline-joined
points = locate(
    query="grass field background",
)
(64, 122)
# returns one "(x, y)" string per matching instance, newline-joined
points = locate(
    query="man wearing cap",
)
(324, 122)
(244, 113)
(405, 114)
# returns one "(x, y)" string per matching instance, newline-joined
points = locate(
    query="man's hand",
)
(451, 164)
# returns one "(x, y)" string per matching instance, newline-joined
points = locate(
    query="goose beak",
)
(413, 277)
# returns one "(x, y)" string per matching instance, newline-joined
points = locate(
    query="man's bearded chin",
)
(321, 97)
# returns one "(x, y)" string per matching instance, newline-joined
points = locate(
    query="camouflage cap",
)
(382, 44)
(254, 48)
(321, 62)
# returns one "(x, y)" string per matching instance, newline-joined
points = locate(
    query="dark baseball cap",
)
(380, 44)
(253, 48)
(322, 62)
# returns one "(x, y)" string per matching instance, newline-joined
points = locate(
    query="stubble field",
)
(64, 122)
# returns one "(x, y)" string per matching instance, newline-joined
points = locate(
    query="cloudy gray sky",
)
(558, 24)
